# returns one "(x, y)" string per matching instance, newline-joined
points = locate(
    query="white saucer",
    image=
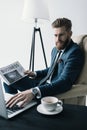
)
(41, 110)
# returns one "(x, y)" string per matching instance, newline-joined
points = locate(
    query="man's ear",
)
(70, 33)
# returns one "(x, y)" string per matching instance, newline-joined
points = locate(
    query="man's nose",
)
(58, 38)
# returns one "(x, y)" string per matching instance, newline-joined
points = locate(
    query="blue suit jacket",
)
(66, 72)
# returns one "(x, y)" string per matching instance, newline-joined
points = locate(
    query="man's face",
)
(62, 37)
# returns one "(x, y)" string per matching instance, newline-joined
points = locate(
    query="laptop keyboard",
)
(13, 109)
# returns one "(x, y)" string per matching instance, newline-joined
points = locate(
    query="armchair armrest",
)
(77, 90)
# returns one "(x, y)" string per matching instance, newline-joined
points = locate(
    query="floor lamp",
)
(38, 11)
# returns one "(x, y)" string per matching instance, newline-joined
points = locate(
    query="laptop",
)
(11, 112)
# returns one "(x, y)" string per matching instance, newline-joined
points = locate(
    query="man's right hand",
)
(30, 73)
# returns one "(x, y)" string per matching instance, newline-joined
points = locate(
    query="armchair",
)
(78, 92)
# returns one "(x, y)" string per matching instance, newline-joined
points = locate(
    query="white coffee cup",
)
(50, 103)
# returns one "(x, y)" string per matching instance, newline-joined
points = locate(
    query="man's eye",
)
(61, 35)
(55, 35)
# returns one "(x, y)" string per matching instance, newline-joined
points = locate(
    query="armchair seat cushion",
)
(76, 91)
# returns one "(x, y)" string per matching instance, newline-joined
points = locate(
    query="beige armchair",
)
(77, 95)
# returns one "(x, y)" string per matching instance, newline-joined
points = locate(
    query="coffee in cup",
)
(50, 103)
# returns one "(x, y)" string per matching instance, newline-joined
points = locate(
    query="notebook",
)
(11, 112)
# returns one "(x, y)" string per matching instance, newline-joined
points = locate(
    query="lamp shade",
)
(35, 9)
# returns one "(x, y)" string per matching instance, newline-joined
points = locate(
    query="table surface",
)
(72, 117)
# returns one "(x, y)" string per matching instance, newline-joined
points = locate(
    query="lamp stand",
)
(32, 54)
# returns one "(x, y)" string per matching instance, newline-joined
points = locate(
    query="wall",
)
(75, 10)
(16, 35)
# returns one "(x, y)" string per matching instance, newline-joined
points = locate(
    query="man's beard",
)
(64, 44)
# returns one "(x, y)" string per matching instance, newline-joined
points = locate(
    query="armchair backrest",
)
(82, 41)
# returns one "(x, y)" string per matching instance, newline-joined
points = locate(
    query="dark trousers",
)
(21, 85)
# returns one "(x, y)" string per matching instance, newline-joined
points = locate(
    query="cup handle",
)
(60, 102)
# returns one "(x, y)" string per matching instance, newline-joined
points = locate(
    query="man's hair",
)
(60, 22)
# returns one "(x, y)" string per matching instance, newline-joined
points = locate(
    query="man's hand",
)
(24, 97)
(30, 73)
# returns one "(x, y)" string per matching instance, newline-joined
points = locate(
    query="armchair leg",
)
(82, 100)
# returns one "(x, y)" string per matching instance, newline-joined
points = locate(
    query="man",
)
(60, 76)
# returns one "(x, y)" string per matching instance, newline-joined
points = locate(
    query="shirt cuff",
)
(35, 74)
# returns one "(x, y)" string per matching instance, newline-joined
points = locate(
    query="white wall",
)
(16, 35)
(75, 10)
